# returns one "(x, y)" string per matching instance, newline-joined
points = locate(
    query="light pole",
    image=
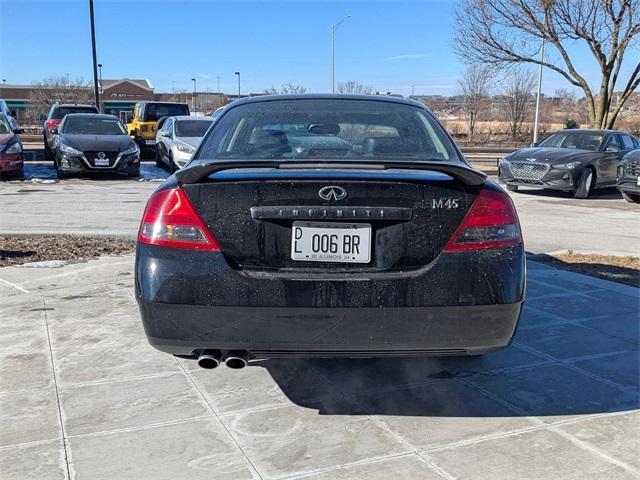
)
(194, 94)
(238, 74)
(537, 119)
(412, 89)
(4, 81)
(218, 77)
(95, 61)
(101, 88)
(333, 52)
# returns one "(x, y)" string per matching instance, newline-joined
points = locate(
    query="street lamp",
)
(101, 89)
(333, 52)
(238, 74)
(95, 61)
(194, 94)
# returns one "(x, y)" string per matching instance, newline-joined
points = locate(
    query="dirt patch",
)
(616, 269)
(20, 250)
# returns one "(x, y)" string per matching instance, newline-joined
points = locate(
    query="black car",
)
(54, 118)
(629, 177)
(393, 245)
(577, 161)
(88, 142)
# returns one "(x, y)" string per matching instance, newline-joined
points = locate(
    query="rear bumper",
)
(463, 303)
(281, 332)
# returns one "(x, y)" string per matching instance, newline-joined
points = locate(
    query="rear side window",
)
(333, 129)
(628, 142)
(155, 111)
(60, 112)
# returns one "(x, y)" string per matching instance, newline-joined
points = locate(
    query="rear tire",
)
(585, 184)
(631, 197)
(512, 188)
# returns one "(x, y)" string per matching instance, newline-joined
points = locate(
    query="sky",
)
(388, 45)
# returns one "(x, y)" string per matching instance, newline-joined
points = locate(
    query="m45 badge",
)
(446, 203)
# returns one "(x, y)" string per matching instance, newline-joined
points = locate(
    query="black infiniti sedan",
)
(577, 161)
(629, 177)
(91, 142)
(324, 226)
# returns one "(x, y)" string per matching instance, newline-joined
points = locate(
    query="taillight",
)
(169, 220)
(53, 123)
(491, 222)
(144, 128)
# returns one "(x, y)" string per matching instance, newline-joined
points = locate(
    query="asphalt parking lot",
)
(551, 221)
(84, 396)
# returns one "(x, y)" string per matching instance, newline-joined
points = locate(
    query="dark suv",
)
(56, 114)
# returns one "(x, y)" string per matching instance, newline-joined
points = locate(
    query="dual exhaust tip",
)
(235, 359)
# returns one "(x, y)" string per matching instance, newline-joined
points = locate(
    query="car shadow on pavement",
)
(485, 386)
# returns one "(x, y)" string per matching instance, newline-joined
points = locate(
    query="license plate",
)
(101, 162)
(331, 242)
(150, 142)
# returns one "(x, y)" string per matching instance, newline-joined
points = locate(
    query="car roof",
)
(328, 96)
(92, 115)
(189, 117)
(80, 105)
(589, 130)
(162, 103)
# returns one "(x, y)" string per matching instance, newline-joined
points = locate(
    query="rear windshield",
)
(191, 128)
(331, 129)
(60, 112)
(93, 126)
(577, 140)
(155, 111)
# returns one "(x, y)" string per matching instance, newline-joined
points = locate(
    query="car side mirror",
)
(165, 134)
(533, 144)
(612, 148)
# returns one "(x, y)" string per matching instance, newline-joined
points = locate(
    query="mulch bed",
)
(616, 269)
(19, 250)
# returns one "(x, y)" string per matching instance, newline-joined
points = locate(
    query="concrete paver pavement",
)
(83, 395)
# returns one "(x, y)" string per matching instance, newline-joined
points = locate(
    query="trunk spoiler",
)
(459, 171)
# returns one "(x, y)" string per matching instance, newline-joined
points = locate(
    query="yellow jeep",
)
(145, 118)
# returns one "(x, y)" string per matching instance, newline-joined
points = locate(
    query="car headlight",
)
(568, 165)
(132, 150)
(504, 161)
(184, 148)
(67, 150)
(14, 148)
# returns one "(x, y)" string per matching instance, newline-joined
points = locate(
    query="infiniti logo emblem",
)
(332, 192)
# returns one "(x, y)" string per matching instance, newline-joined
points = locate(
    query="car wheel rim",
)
(587, 183)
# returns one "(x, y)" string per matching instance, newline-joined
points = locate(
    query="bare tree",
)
(475, 85)
(286, 89)
(567, 103)
(58, 89)
(504, 32)
(354, 86)
(518, 88)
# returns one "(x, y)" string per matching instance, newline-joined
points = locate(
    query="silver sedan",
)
(178, 139)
